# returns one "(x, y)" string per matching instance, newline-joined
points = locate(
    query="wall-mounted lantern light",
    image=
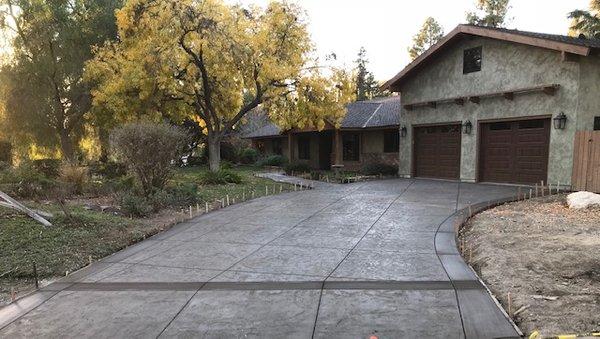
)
(467, 127)
(403, 131)
(560, 121)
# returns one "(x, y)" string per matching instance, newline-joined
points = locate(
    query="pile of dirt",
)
(546, 256)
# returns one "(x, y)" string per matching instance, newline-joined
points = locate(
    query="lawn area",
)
(250, 183)
(72, 241)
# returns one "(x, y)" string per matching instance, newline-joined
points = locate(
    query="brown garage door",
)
(514, 151)
(437, 151)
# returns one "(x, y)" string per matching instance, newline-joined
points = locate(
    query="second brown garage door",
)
(437, 151)
(514, 151)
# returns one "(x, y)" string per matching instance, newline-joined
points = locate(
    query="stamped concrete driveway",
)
(338, 261)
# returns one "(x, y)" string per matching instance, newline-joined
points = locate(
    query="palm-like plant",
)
(586, 22)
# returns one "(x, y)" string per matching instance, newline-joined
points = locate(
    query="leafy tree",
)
(492, 13)
(216, 62)
(431, 32)
(586, 22)
(43, 90)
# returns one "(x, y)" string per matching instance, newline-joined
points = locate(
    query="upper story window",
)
(391, 141)
(472, 60)
(596, 123)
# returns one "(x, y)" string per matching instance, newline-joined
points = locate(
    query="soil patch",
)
(546, 256)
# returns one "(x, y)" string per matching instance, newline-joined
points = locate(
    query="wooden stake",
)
(13, 294)
(244, 196)
(90, 259)
(530, 193)
(280, 188)
(206, 206)
(191, 213)
(253, 194)
(227, 197)
(536, 190)
(197, 208)
(233, 201)
(509, 305)
(266, 190)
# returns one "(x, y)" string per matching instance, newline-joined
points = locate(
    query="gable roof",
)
(379, 112)
(562, 43)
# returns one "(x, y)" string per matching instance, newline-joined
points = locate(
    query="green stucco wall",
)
(505, 66)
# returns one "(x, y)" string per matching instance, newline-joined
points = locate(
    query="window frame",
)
(303, 144)
(351, 156)
(394, 147)
(470, 64)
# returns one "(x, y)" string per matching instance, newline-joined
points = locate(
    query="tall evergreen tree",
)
(586, 22)
(430, 33)
(366, 86)
(45, 98)
(490, 13)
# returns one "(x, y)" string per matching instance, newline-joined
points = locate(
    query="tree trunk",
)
(66, 146)
(103, 137)
(214, 153)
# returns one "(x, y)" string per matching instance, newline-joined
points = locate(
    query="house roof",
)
(379, 112)
(562, 43)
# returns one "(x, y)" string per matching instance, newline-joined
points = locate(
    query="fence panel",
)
(586, 161)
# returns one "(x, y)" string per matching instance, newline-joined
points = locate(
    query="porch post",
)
(338, 148)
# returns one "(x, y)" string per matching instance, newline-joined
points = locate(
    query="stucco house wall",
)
(505, 66)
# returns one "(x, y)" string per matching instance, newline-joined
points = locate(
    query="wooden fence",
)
(586, 161)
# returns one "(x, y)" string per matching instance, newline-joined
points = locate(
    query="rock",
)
(580, 200)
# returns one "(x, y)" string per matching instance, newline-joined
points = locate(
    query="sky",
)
(386, 27)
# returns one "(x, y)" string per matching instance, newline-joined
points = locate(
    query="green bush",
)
(220, 177)
(297, 168)
(25, 182)
(226, 165)
(273, 160)
(229, 152)
(149, 151)
(248, 156)
(185, 194)
(108, 170)
(134, 205)
(195, 161)
(48, 167)
(379, 168)
(5, 152)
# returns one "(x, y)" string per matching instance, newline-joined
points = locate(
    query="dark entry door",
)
(325, 148)
(514, 151)
(437, 151)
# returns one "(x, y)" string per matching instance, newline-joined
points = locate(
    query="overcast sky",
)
(386, 27)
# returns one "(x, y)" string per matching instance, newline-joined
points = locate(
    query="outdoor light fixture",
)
(560, 121)
(403, 131)
(467, 127)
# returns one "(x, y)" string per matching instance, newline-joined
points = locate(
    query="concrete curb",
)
(481, 312)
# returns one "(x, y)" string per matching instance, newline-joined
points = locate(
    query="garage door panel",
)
(437, 151)
(514, 151)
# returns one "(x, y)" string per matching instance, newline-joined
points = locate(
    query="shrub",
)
(108, 169)
(149, 151)
(379, 168)
(5, 152)
(74, 178)
(273, 160)
(229, 152)
(134, 205)
(248, 156)
(195, 161)
(185, 194)
(226, 164)
(48, 167)
(220, 177)
(25, 182)
(297, 168)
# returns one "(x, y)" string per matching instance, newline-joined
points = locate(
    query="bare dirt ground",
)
(546, 256)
